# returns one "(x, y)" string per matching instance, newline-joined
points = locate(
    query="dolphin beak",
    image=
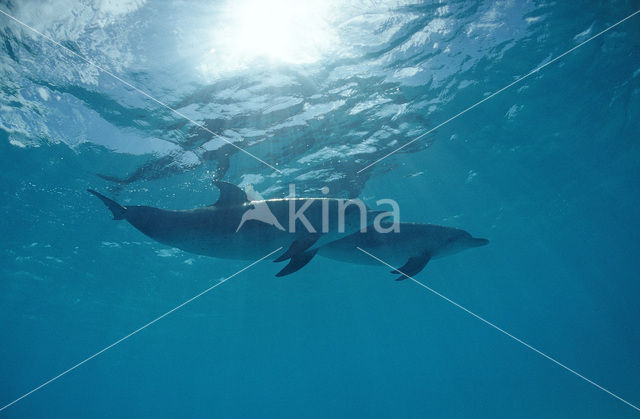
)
(476, 242)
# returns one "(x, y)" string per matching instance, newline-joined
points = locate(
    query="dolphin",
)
(411, 247)
(224, 230)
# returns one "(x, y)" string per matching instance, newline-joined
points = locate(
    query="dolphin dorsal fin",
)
(230, 195)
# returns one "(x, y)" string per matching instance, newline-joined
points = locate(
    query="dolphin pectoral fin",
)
(414, 265)
(283, 257)
(298, 246)
(297, 262)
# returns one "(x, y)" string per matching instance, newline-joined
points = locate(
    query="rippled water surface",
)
(147, 101)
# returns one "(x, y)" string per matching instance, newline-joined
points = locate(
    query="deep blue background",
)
(553, 184)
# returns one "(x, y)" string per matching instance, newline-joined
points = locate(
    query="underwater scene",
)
(319, 208)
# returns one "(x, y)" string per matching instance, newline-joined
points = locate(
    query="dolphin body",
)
(411, 248)
(237, 228)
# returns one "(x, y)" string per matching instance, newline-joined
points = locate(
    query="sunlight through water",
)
(280, 31)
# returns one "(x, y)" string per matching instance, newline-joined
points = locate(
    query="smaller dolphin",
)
(411, 248)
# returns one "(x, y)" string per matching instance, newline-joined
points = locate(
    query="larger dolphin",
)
(238, 228)
(410, 248)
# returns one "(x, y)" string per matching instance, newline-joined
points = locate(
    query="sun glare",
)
(289, 31)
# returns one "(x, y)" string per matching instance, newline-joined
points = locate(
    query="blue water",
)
(548, 170)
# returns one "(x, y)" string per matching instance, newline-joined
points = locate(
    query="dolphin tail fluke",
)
(118, 210)
(297, 262)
